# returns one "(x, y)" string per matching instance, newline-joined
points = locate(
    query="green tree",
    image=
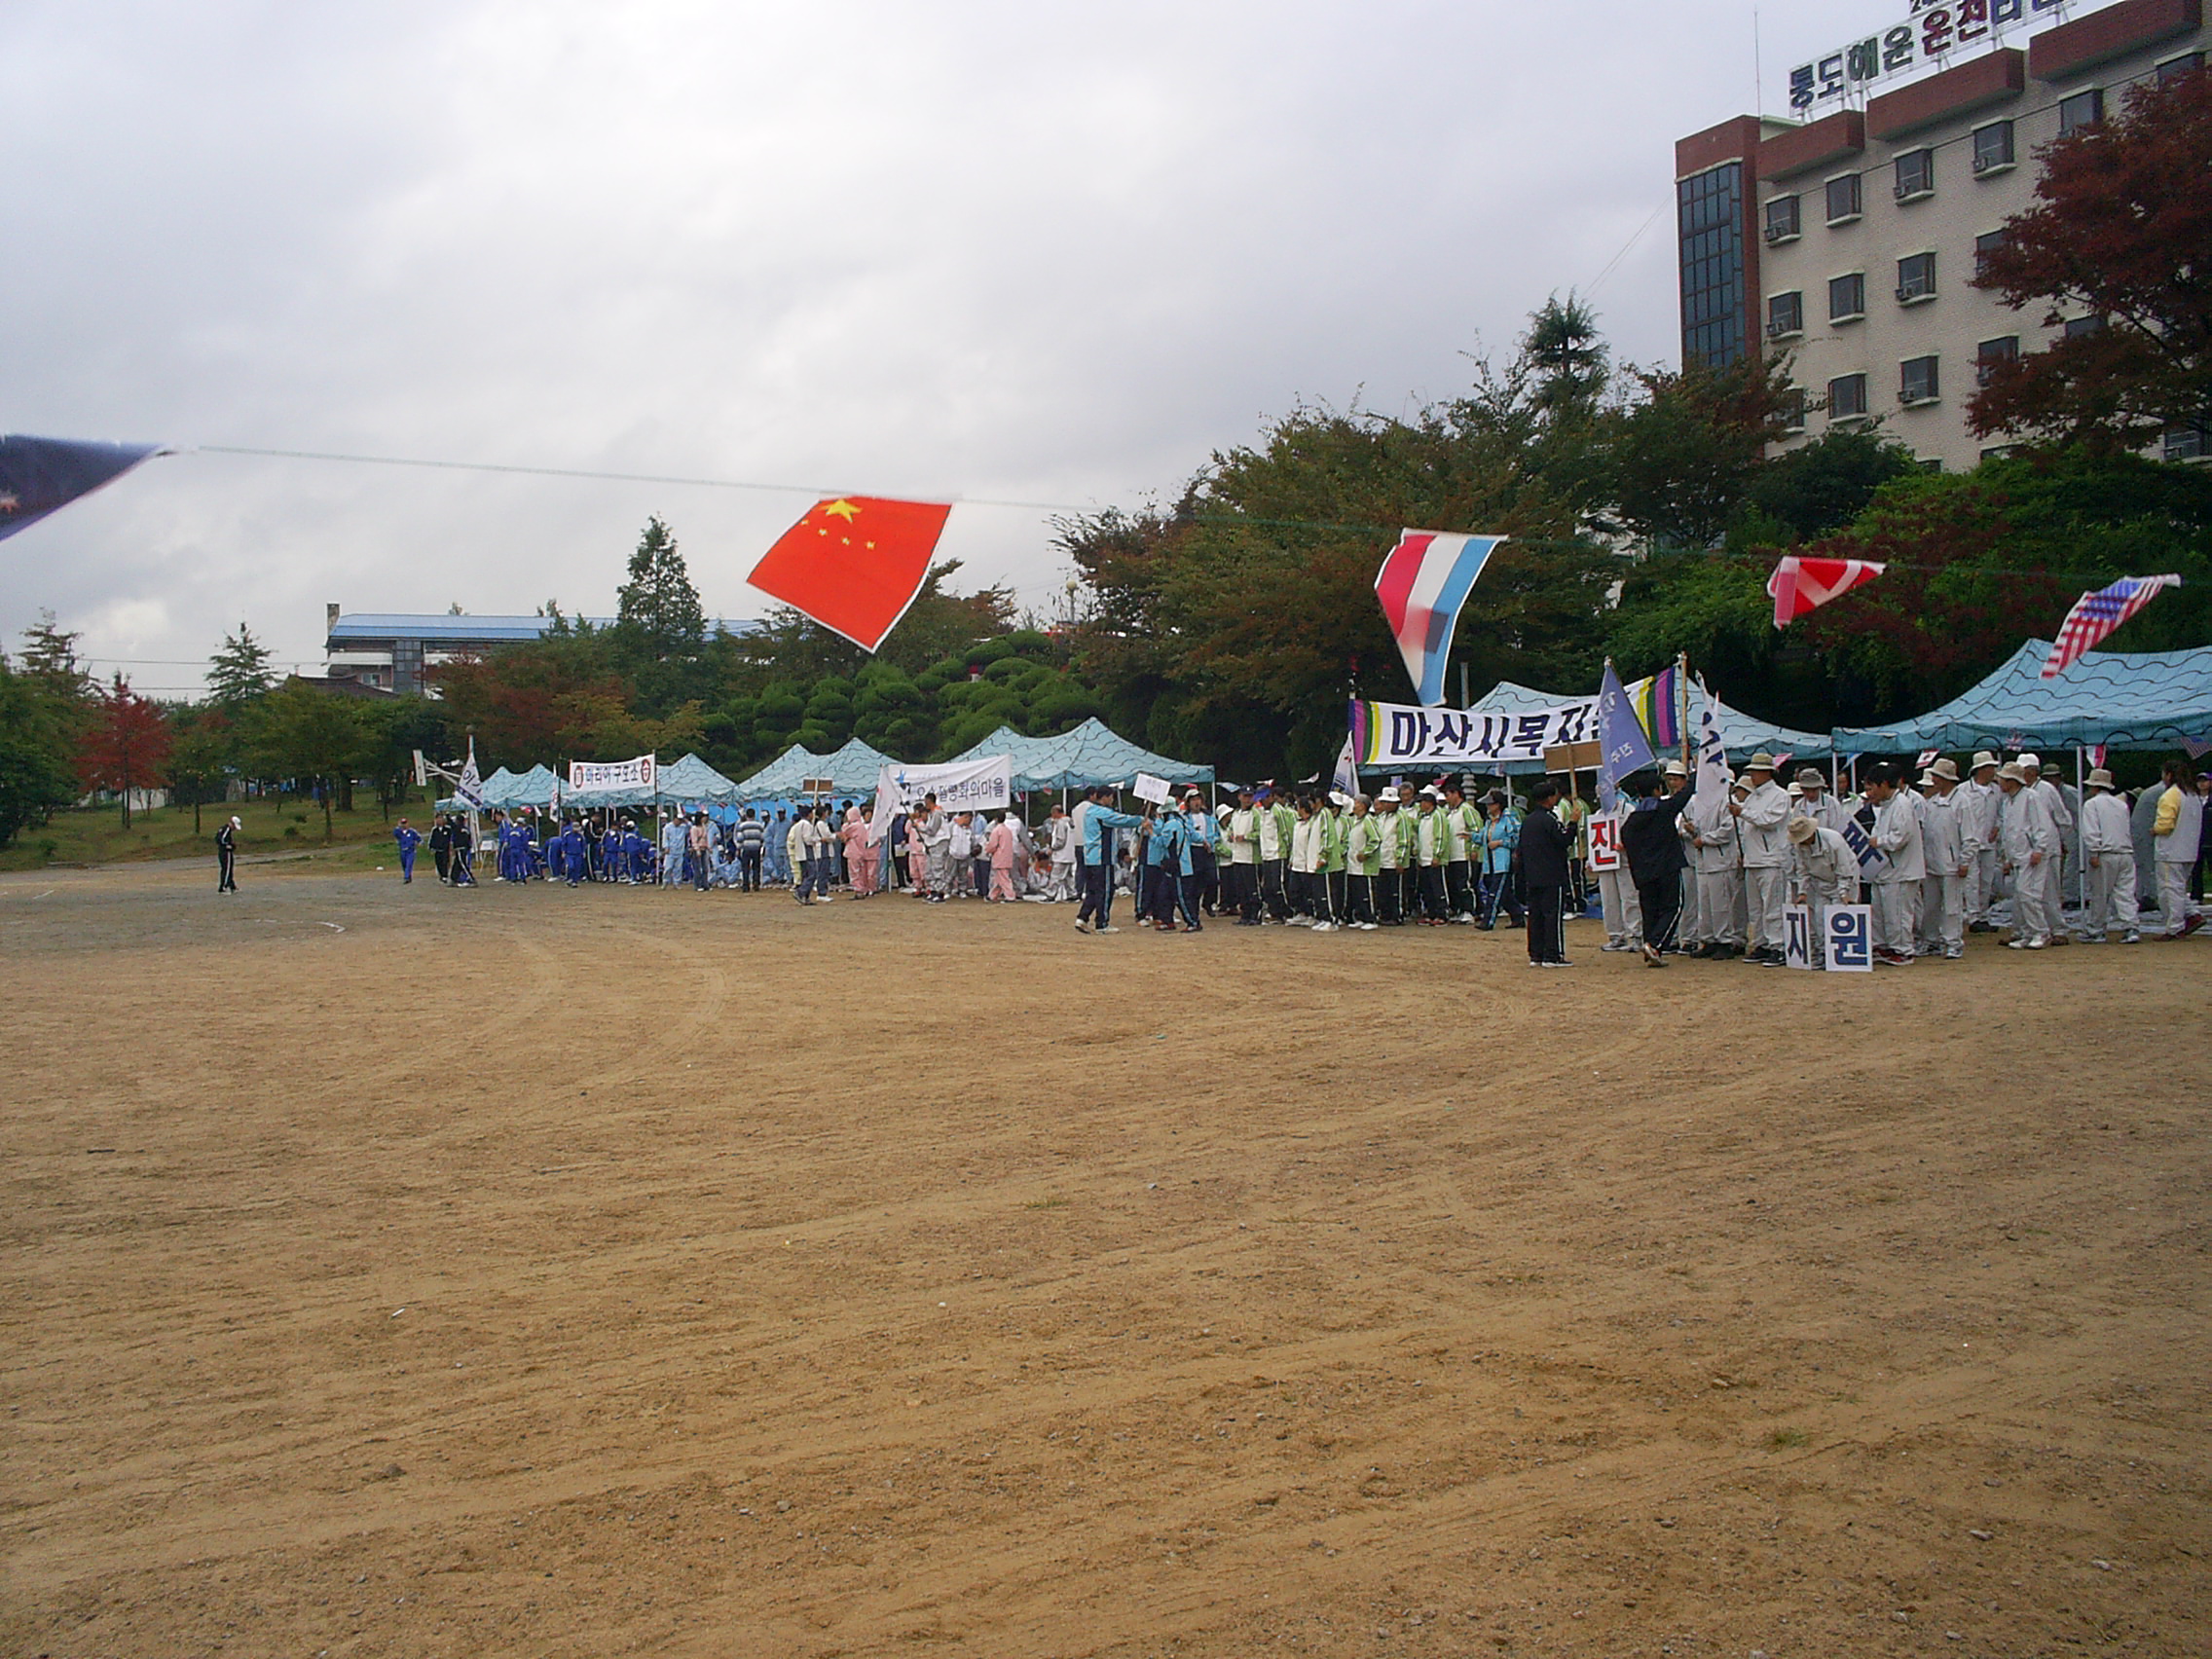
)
(1819, 487)
(1675, 463)
(199, 755)
(301, 732)
(658, 608)
(239, 672)
(37, 747)
(2119, 233)
(1568, 361)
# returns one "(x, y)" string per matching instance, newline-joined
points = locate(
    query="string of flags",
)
(856, 563)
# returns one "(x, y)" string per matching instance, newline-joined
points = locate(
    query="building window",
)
(1992, 355)
(1843, 198)
(1794, 410)
(1916, 278)
(1709, 222)
(1984, 246)
(1846, 296)
(2083, 109)
(1784, 315)
(2077, 326)
(1930, 463)
(2187, 443)
(2173, 69)
(1847, 398)
(1917, 381)
(1916, 175)
(1992, 147)
(1782, 219)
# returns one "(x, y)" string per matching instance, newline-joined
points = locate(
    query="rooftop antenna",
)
(1758, 70)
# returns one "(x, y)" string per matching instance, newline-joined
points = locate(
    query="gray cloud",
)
(978, 249)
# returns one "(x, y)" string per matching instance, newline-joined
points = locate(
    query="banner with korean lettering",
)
(959, 786)
(1406, 735)
(636, 774)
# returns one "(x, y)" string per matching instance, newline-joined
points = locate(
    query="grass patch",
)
(1787, 1440)
(95, 835)
(1051, 1200)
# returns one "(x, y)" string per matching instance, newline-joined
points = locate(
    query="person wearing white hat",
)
(2177, 831)
(1719, 878)
(227, 856)
(1390, 844)
(2061, 809)
(2108, 849)
(1826, 873)
(1897, 880)
(1760, 817)
(1942, 848)
(1978, 801)
(1240, 875)
(1815, 800)
(2029, 848)
(1363, 859)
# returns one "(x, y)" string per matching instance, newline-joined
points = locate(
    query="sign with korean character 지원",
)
(1797, 936)
(1848, 934)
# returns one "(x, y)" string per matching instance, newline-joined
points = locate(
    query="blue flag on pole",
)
(1623, 749)
(37, 475)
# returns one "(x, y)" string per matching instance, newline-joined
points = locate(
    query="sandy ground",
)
(401, 1271)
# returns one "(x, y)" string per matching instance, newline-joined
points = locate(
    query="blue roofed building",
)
(391, 651)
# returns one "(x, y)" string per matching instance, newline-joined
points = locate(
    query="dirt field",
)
(402, 1271)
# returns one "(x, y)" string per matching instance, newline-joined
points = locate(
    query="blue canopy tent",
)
(2122, 699)
(1091, 754)
(782, 776)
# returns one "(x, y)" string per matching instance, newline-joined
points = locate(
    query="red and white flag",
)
(2096, 614)
(1801, 585)
(854, 563)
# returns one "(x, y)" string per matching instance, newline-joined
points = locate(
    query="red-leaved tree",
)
(126, 746)
(2119, 245)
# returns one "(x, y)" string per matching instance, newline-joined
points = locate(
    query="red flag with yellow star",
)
(854, 563)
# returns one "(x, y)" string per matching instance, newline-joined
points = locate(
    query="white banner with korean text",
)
(636, 774)
(959, 786)
(1406, 735)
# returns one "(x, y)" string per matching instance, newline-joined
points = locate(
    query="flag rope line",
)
(1308, 525)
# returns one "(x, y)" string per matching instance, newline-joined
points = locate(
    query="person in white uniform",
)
(1896, 881)
(1761, 818)
(2028, 847)
(1719, 881)
(2062, 843)
(2107, 852)
(1942, 927)
(1978, 801)
(1826, 873)
(2175, 833)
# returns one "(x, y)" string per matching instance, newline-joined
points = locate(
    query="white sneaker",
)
(1083, 927)
(2133, 938)
(1324, 927)
(1105, 929)
(1369, 927)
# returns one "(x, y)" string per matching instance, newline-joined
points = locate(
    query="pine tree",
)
(50, 657)
(239, 671)
(658, 606)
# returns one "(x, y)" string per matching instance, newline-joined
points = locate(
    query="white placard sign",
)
(1605, 841)
(636, 774)
(1150, 789)
(1847, 931)
(1797, 936)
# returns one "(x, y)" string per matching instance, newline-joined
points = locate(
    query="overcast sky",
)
(1029, 252)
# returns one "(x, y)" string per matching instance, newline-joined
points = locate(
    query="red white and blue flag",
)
(2096, 614)
(1423, 583)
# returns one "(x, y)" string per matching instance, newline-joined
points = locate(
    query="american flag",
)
(2096, 614)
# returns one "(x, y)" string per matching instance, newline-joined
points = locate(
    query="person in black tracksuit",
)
(1543, 855)
(1653, 848)
(226, 857)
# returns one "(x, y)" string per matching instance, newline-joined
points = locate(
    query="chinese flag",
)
(854, 563)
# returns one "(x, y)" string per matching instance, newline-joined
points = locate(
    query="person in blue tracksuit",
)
(407, 838)
(1196, 845)
(1099, 821)
(1162, 871)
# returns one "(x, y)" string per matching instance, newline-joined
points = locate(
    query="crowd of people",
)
(1936, 856)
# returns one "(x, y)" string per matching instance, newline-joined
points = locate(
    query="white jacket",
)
(1897, 831)
(2106, 828)
(1977, 805)
(1766, 843)
(1827, 869)
(2026, 827)
(1942, 846)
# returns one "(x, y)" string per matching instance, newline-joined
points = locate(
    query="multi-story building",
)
(390, 652)
(1850, 240)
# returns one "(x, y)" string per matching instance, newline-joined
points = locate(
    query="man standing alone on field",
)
(408, 840)
(227, 856)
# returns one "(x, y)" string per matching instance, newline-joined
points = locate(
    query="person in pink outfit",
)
(861, 854)
(917, 856)
(1001, 844)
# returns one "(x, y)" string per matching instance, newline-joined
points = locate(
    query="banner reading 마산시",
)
(1405, 734)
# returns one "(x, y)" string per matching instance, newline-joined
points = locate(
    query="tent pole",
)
(2080, 835)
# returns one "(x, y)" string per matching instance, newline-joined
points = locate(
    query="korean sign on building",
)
(1935, 32)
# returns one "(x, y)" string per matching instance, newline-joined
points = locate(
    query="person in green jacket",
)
(1363, 859)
